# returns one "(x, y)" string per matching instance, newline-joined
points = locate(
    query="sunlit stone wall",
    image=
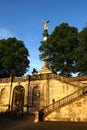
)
(49, 87)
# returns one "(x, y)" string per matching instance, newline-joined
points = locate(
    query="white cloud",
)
(4, 34)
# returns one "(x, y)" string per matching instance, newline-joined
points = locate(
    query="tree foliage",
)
(60, 49)
(13, 57)
(81, 52)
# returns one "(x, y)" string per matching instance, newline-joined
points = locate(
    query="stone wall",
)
(76, 111)
(49, 88)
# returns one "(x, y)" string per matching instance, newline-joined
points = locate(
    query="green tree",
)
(13, 58)
(60, 49)
(81, 52)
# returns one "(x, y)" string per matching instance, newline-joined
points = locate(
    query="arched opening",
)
(35, 96)
(18, 98)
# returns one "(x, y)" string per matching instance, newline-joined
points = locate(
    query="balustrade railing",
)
(64, 101)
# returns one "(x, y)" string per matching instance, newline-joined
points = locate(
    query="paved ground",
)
(30, 125)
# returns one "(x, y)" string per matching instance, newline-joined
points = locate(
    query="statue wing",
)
(48, 21)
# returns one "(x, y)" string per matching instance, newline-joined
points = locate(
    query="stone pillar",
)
(36, 116)
(25, 101)
(10, 93)
(26, 97)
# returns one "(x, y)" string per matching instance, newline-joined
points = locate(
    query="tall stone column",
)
(45, 68)
(45, 36)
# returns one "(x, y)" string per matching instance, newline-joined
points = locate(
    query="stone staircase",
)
(62, 102)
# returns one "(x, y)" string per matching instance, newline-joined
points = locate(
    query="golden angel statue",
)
(45, 23)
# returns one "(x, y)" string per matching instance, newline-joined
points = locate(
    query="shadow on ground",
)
(15, 121)
(8, 124)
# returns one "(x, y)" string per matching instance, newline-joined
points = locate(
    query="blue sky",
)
(23, 19)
